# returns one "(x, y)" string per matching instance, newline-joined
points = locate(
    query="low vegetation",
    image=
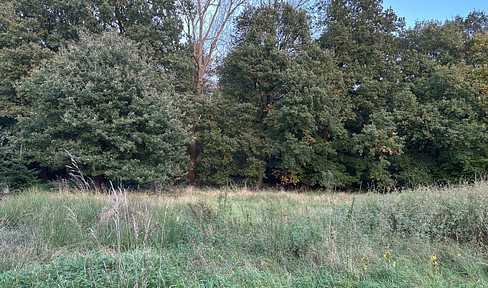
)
(428, 237)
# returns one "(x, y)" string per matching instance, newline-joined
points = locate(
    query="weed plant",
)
(428, 237)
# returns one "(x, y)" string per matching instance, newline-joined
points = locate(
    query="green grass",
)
(239, 238)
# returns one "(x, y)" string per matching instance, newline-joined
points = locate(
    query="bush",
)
(105, 105)
(14, 173)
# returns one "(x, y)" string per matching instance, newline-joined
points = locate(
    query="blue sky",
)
(434, 9)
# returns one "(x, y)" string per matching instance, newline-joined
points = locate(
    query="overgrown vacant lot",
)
(430, 237)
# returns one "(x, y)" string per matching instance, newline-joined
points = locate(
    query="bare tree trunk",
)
(98, 183)
(205, 20)
(192, 175)
(260, 180)
(44, 174)
(264, 112)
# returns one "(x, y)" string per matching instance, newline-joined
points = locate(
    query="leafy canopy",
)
(105, 104)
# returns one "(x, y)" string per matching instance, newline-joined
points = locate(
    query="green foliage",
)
(285, 83)
(444, 124)
(475, 22)
(440, 42)
(447, 214)
(343, 114)
(20, 51)
(414, 169)
(154, 26)
(220, 124)
(361, 35)
(14, 173)
(102, 102)
(367, 103)
(32, 32)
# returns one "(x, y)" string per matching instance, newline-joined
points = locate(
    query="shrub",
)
(104, 103)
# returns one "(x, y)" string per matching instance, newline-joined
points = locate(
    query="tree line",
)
(338, 95)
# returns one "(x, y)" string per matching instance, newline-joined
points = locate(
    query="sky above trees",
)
(441, 10)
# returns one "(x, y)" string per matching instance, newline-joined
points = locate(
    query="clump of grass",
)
(244, 238)
(439, 214)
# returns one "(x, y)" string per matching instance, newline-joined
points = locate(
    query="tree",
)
(29, 33)
(440, 114)
(441, 42)
(475, 22)
(221, 135)
(362, 36)
(156, 27)
(477, 56)
(102, 102)
(205, 22)
(441, 126)
(281, 87)
(14, 174)
(32, 32)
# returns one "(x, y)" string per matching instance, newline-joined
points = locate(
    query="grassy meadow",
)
(428, 237)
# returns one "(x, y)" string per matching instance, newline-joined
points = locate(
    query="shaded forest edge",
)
(328, 94)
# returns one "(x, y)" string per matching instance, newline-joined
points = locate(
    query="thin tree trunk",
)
(326, 135)
(264, 112)
(98, 183)
(192, 174)
(260, 180)
(44, 174)
(204, 31)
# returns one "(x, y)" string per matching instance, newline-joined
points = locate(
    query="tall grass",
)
(429, 237)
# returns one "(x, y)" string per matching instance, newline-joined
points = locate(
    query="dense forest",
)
(329, 94)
